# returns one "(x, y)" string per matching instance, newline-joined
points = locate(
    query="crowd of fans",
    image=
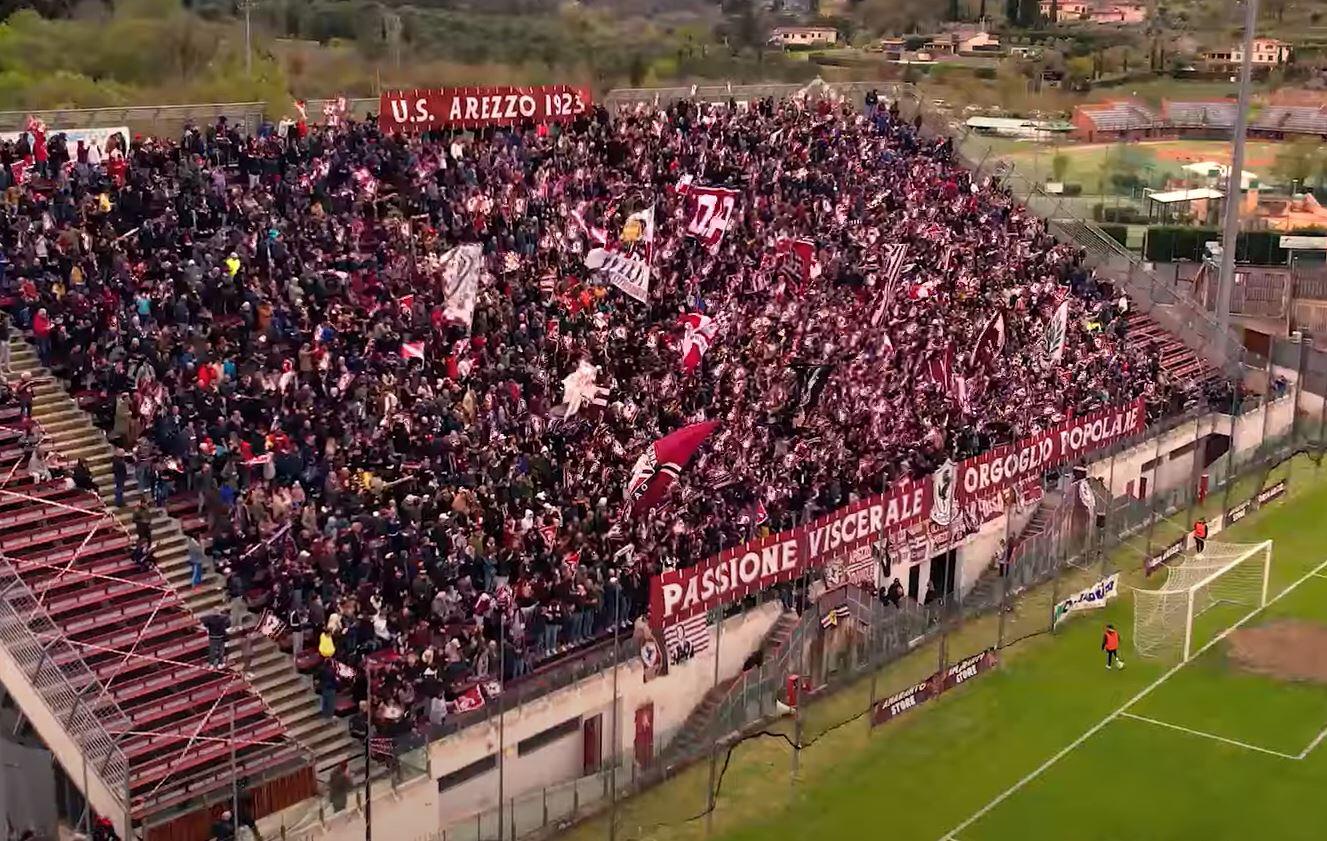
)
(238, 305)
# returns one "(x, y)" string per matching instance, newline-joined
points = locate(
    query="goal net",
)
(1226, 573)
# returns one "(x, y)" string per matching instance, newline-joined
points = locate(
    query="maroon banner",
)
(968, 668)
(935, 685)
(901, 702)
(1034, 455)
(982, 487)
(424, 109)
(755, 566)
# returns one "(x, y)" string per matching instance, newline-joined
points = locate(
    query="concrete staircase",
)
(70, 431)
(697, 729)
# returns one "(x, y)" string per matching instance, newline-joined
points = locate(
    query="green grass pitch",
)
(1050, 745)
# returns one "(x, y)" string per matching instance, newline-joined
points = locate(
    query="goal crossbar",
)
(1225, 573)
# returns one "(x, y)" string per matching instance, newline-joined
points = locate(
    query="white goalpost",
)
(1226, 573)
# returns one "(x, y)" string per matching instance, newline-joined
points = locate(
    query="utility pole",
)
(248, 39)
(502, 720)
(234, 779)
(617, 731)
(1230, 236)
(368, 749)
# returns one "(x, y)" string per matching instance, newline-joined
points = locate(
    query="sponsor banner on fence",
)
(968, 668)
(1092, 598)
(759, 564)
(901, 702)
(1271, 492)
(1034, 455)
(1239, 512)
(918, 694)
(1159, 560)
(425, 109)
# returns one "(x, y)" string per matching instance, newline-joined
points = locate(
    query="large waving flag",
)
(989, 343)
(700, 332)
(1052, 343)
(662, 461)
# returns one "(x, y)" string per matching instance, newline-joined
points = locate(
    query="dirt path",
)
(1288, 649)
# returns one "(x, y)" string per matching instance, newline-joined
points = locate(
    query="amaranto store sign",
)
(760, 564)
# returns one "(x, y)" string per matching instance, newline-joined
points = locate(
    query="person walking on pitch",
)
(1199, 536)
(1110, 643)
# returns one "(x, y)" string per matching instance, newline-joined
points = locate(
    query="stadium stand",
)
(261, 325)
(1218, 115)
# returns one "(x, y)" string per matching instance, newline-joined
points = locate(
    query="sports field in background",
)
(1152, 158)
(1051, 745)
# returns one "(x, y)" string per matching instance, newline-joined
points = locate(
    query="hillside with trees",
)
(88, 53)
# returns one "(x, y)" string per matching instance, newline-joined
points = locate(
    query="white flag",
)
(1057, 329)
(461, 269)
(579, 388)
(629, 274)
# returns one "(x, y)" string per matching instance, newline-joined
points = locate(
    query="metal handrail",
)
(24, 623)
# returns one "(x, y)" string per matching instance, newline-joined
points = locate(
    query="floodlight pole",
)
(1230, 235)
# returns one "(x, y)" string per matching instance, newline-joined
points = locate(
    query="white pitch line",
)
(1320, 575)
(1096, 728)
(1211, 736)
(1317, 740)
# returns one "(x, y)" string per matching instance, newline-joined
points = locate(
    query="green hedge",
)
(1167, 243)
(1259, 248)
(1119, 233)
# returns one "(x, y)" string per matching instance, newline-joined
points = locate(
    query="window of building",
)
(546, 737)
(468, 772)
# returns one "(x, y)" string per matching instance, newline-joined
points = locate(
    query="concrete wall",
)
(1174, 458)
(418, 808)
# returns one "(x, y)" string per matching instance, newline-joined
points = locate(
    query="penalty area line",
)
(1100, 725)
(1317, 740)
(1212, 736)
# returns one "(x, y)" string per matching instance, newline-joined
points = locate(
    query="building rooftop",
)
(1196, 194)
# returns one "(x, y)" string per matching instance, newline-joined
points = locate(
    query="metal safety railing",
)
(62, 679)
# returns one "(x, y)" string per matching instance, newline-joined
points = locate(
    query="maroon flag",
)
(709, 210)
(989, 344)
(891, 268)
(661, 463)
(471, 699)
(797, 257)
(939, 369)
